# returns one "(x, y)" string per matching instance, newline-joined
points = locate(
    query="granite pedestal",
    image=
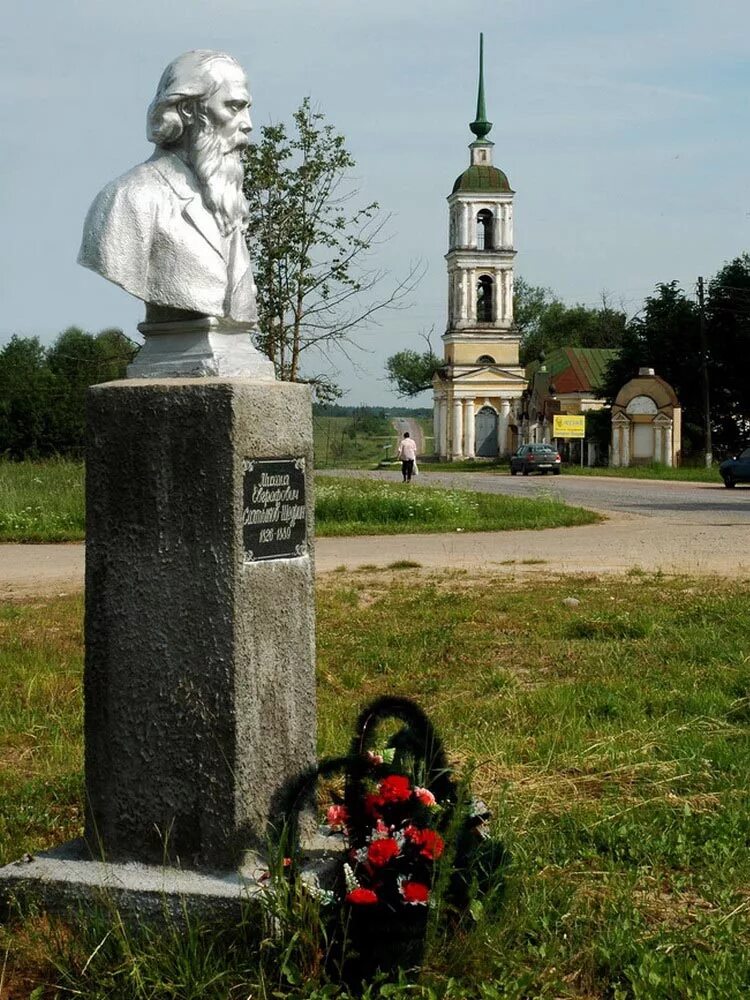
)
(199, 674)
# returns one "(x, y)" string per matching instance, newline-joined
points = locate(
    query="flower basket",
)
(407, 835)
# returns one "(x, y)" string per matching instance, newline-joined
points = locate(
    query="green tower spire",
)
(481, 127)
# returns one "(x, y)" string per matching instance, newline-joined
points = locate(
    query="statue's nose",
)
(246, 124)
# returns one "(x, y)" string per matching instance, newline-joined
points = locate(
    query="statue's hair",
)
(190, 77)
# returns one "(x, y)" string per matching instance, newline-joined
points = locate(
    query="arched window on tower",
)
(485, 359)
(485, 223)
(485, 290)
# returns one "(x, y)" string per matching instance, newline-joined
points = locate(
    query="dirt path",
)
(402, 424)
(625, 543)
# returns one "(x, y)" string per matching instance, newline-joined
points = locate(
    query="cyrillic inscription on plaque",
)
(273, 518)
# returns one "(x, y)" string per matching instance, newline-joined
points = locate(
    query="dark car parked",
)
(737, 469)
(541, 458)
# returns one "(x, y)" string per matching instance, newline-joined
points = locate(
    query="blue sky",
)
(623, 127)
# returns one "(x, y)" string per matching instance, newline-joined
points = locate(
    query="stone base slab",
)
(66, 879)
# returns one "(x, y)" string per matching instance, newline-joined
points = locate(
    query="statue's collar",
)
(176, 173)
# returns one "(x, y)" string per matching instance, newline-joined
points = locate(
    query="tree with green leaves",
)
(42, 390)
(310, 245)
(546, 323)
(77, 360)
(728, 333)
(27, 398)
(543, 323)
(666, 336)
(411, 372)
(529, 305)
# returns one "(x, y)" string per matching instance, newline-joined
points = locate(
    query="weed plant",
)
(611, 740)
(682, 473)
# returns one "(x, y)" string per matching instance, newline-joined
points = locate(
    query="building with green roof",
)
(567, 382)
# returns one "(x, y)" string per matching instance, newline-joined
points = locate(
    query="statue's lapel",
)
(204, 222)
(182, 182)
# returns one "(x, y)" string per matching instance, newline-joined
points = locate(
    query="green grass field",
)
(43, 502)
(343, 442)
(686, 474)
(365, 507)
(611, 739)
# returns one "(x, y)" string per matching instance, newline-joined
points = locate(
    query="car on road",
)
(542, 458)
(737, 469)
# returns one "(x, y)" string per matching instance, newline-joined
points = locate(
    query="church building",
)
(477, 393)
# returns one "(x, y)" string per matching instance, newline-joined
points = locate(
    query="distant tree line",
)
(341, 410)
(42, 389)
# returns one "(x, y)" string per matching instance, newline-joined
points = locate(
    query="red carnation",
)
(364, 896)
(425, 796)
(430, 844)
(395, 788)
(415, 892)
(337, 817)
(380, 852)
(372, 805)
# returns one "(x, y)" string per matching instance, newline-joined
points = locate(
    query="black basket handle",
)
(418, 737)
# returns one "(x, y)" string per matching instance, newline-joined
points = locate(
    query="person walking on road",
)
(407, 452)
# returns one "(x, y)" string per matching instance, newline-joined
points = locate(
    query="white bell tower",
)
(476, 394)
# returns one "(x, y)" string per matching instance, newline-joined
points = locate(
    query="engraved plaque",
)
(274, 525)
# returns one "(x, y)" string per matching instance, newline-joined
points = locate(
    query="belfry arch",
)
(485, 299)
(485, 223)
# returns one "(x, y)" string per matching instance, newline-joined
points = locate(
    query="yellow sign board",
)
(565, 426)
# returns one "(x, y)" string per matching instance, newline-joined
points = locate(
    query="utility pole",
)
(704, 354)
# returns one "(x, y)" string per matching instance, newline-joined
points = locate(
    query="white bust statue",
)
(171, 230)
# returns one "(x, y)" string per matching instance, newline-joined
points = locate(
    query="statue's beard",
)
(217, 163)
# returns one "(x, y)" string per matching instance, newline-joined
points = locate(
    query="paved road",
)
(697, 503)
(693, 529)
